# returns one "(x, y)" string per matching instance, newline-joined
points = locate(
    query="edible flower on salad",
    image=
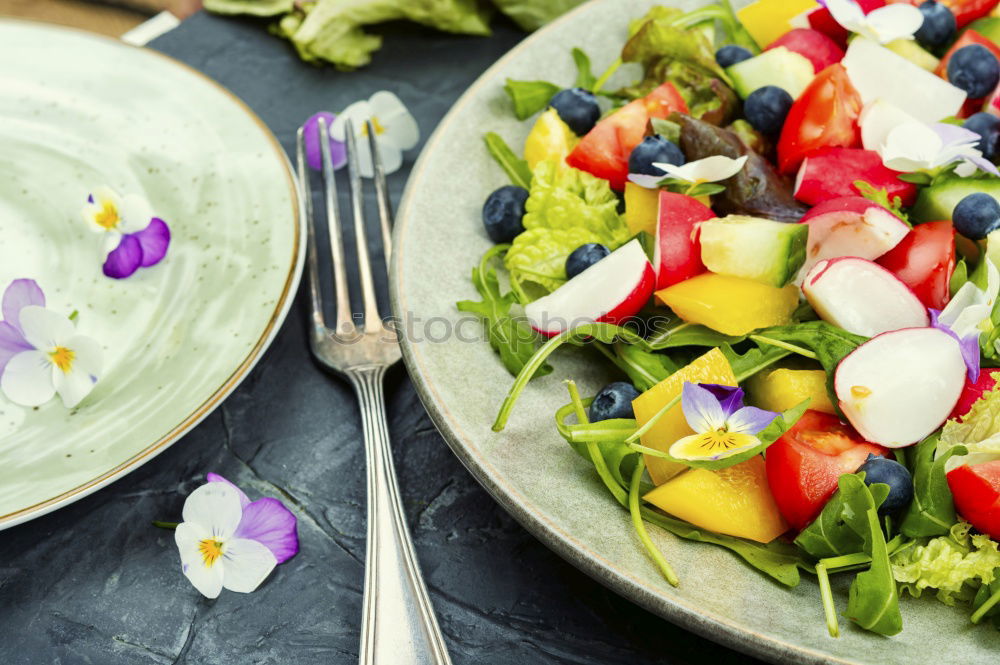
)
(723, 425)
(883, 25)
(692, 174)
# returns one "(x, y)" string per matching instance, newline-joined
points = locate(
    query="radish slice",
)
(862, 297)
(899, 387)
(851, 226)
(612, 290)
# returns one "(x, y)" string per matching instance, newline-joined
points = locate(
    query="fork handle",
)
(399, 626)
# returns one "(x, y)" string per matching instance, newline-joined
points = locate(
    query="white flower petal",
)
(878, 119)
(357, 113)
(710, 169)
(966, 169)
(136, 213)
(216, 507)
(400, 125)
(44, 329)
(992, 283)
(247, 564)
(91, 210)
(390, 154)
(847, 13)
(27, 379)
(896, 21)
(967, 296)
(206, 579)
(967, 323)
(646, 181)
(88, 354)
(73, 385)
(110, 243)
(911, 147)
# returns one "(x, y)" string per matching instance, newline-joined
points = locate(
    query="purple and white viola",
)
(967, 317)
(134, 238)
(227, 541)
(723, 426)
(41, 353)
(882, 25)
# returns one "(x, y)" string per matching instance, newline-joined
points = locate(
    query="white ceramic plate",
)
(529, 468)
(79, 111)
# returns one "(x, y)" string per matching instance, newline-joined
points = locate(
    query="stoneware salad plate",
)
(196, 260)
(863, 470)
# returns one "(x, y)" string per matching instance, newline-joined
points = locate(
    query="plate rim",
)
(256, 352)
(709, 625)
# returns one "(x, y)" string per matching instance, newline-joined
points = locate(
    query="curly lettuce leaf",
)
(250, 7)
(953, 565)
(565, 209)
(978, 431)
(533, 14)
(665, 35)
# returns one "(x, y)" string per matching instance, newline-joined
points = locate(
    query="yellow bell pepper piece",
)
(781, 389)
(550, 139)
(766, 20)
(642, 208)
(735, 501)
(731, 305)
(709, 368)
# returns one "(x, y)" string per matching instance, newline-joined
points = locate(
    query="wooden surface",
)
(97, 17)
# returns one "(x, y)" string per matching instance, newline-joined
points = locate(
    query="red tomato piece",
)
(803, 466)
(677, 238)
(819, 49)
(605, 150)
(976, 490)
(968, 38)
(825, 116)
(924, 261)
(965, 11)
(830, 173)
(973, 391)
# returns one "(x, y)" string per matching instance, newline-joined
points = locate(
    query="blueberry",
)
(987, 126)
(502, 213)
(578, 108)
(654, 149)
(727, 56)
(974, 69)
(976, 216)
(583, 257)
(939, 25)
(766, 109)
(896, 476)
(614, 401)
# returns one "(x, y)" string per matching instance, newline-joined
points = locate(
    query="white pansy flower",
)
(882, 25)
(395, 130)
(710, 169)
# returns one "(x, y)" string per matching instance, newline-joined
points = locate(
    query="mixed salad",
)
(785, 238)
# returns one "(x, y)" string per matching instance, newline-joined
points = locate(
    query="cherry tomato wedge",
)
(825, 116)
(803, 466)
(965, 11)
(604, 151)
(976, 489)
(924, 261)
(973, 392)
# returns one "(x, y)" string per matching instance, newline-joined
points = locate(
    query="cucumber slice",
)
(759, 249)
(913, 52)
(938, 201)
(779, 66)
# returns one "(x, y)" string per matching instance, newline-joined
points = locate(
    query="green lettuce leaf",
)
(533, 14)
(953, 565)
(250, 7)
(978, 432)
(565, 209)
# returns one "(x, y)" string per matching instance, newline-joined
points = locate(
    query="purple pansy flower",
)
(310, 135)
(41, 353)
(722, 425)
(969, 344)
(134, 238)
(227, 541)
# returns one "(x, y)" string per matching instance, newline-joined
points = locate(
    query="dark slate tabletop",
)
(96, 583)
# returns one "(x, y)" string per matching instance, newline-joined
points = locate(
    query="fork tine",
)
(373, 321)
(381, 194)
(344, 323)
(305, 196)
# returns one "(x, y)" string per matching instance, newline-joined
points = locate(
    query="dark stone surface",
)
(95, 583)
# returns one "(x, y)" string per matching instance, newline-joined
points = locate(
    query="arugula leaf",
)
(829, 534)
(511, 339)
(584, 76)
(880, 196)
(644, 368)
(530, 97)
(515, 167)
(668, 336)
(753, 361)
(932, 512)
(781, 424)
(985, 604)
(873, 602)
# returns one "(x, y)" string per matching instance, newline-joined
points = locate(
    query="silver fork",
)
(398, 626)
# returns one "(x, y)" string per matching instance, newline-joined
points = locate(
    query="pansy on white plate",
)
(41, 354)
(227, 541)
(396, 130)
(693, 174)
(723, 426)
(883, 25)
(133, 237)
(909, 145)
